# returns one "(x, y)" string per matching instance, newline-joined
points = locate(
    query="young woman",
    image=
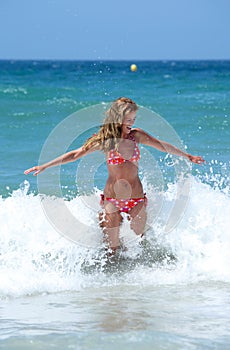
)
(123, 192)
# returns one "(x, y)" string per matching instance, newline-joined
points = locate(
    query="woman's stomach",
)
(123, 182)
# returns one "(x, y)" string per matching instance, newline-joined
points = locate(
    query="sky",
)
(114, 30)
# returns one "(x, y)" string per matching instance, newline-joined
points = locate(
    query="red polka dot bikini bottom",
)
(124, 205)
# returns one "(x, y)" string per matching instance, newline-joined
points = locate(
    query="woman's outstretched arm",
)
(68, 157)
(146, 139)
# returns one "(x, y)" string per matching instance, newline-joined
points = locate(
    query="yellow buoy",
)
(133, 67)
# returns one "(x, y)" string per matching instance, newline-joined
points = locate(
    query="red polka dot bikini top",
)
(115, 158)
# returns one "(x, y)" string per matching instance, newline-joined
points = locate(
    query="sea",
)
(59, 289)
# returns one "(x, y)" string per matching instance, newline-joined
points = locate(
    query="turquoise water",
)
(35, 96)
(170, 291)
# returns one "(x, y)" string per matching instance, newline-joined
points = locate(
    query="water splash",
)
(34, 258)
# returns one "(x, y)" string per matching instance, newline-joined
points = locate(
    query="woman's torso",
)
(123, 180)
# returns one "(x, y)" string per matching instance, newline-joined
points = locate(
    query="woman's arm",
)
(68, 157)
(146, 139)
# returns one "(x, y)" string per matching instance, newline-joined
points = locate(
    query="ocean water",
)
(58, 289)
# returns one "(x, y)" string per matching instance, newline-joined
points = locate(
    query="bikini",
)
(115, 158)
(123, 205)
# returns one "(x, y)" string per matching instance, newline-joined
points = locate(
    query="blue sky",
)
(103, 29)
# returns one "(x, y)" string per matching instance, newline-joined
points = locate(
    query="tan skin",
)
(123, 181)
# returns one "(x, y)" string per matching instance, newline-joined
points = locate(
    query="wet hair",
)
(109, 133)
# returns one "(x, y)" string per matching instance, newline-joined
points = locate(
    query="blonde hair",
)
(110, 132)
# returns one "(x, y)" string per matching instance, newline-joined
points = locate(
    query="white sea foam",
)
(34, 258)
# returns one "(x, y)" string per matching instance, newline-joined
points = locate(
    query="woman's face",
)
(128, 122)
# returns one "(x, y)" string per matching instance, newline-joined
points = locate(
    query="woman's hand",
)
(36, 169)
(196, 159)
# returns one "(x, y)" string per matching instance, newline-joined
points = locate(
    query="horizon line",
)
(115, 59)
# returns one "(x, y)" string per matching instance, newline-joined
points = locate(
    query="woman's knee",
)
(110, 220)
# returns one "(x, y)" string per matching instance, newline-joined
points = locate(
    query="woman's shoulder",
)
(137, 133)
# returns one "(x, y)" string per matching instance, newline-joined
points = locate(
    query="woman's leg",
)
(110, 221)
(138, 218)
